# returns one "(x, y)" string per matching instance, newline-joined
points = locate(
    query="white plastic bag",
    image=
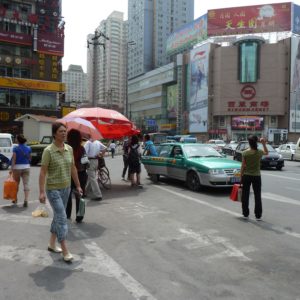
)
(41, 211)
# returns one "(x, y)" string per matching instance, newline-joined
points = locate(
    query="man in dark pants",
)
(125, 158)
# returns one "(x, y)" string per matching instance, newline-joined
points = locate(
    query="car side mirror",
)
(179, 156)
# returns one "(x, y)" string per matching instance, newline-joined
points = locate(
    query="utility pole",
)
(95, 42)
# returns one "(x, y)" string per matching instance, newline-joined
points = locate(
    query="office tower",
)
(76, 85)
(150, 22)
(107, 60)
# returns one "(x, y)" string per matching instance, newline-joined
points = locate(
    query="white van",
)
(297, 151)
(6, 150)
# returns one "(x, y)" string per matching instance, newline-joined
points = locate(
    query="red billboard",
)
(249, 19)
(16, 38)
(50, 43)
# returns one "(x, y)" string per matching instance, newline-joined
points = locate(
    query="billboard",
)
(188, 35)
(198, 90)
(247, 123)
(294, 125)
(296, 19)
(50, 43)
(249, 19)
(172, 94)
(16, 38)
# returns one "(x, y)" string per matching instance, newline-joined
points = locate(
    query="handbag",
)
(236, 193)
(81, 209)
(10, 188)
(84, 159)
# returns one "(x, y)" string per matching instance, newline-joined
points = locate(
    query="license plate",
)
(273, 163)
(235, 179)
(33, 154)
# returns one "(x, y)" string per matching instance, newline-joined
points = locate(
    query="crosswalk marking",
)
(278, 198)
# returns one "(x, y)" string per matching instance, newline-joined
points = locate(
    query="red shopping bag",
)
(236, 193)
(10, 188)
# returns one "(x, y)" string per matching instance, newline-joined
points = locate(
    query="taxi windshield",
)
(198, 150)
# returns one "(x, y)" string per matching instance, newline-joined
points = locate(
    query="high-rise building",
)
(31, 51)
(150, 22)
(107, 61)
(76, 85)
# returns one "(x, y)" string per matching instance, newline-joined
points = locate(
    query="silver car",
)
(287, 151)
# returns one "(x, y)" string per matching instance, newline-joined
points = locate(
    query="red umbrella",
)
(82, 125)
(110, 123)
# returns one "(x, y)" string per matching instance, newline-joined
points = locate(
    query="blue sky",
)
(83, 19)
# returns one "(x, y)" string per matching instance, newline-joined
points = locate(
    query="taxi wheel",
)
(154, 177)
(193, 181)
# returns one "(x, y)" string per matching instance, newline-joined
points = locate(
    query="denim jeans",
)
(58, 200)
(247, 180)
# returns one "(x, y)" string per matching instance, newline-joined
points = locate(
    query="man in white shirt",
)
(93, 150)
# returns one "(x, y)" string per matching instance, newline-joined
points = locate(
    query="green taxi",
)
(196, 164)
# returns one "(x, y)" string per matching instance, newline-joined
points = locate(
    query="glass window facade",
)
(248, 61)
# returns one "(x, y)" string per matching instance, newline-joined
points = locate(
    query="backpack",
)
(134, 156)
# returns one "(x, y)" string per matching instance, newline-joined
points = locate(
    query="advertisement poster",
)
(50, 43)
(249, 19)
(295, 85)
(172, 94)
(198, 100)
(187, 36)
(247, 123)
(296, 19)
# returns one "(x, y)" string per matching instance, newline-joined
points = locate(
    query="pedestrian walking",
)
(74, 140)
(112, 148)
(150, 148)
(125, 158)
(94, 149)
(57, 168)
(250, 173)
(20, 166)
(134, 162)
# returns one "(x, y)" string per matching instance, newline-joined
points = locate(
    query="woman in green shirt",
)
(250, 173)
(58, 165)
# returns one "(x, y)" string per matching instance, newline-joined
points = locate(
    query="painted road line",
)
(282, 177)
(132, 285)
(221, 209)
(278, 198)
(292, 189)
(16, 218)
(33, 256)
(207, 239)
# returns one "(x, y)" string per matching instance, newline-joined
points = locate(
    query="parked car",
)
(297, 150)
(6, 150)
(196, 164)
(37, 150)
(219, 144)
(229, 148)
(273, 159)
(287, 151)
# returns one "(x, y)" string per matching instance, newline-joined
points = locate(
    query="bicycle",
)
(103, 174)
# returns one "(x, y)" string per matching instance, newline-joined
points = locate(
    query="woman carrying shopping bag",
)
(55, 180)
(250, 173)
(20, 166)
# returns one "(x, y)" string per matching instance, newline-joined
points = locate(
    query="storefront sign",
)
(248, 92)
(16, 38)
(217, 131)
(296, 19)
(165, 127)
(249, 19)
(50, 44)
(29, 84)
(66, 110)
(252, 106)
